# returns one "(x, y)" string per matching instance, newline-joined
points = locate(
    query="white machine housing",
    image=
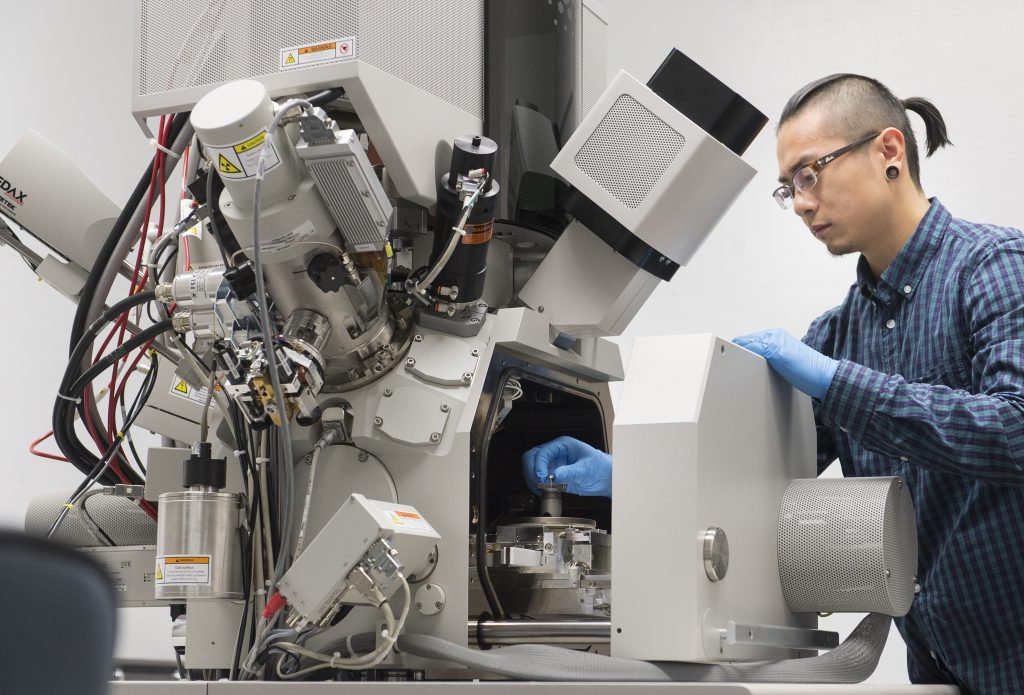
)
(660, 176)
(706, 436)
(413, 72)
(43, 191)
(319, 578)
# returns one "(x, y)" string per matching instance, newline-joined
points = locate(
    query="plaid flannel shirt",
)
(930, 387)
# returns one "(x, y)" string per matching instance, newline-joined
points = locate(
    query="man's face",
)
(843, 209)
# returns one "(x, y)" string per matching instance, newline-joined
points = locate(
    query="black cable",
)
(112, 357)
(326, 97)
(85, 511)
(116, 232)
(64, 432)
(101, 465)
(213, 203)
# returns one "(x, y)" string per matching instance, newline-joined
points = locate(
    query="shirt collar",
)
(904, 274)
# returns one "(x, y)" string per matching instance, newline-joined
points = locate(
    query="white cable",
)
(459, 232)
(268, 347)
(304, 522)
(390, 636)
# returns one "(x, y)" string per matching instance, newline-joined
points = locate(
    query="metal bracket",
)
(778, 636)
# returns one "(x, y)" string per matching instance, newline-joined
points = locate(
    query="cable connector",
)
(276, 603)
(131, 491)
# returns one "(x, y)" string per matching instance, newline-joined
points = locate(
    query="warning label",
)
(178, 569)
(410, 520)
(240, 160)
(297, 235)
(225, 166)
(318, 53)
(182, 389)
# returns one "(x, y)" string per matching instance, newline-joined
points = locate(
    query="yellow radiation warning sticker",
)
(182, 569)
(318, 53)
(183, 389)
(239, 160)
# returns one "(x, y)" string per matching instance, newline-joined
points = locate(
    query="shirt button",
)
(907, 289)
(904, 459)
(917, 588)
(891, 323)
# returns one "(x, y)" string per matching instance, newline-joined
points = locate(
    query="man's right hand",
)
(584, 469)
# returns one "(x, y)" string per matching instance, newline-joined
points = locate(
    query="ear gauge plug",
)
(892, 172)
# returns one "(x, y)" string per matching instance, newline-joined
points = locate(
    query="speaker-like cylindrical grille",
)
(848, 545)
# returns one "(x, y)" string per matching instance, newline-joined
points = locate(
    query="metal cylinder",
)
(310, 330)
(540, 632)
(467, 268)
(231, 122)
(848, 545)
(198, 548)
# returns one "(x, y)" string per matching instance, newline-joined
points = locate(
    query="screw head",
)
(363, 457)
(378, 421)
(475, 353)
(411, 362)
(445, 408)
(540, 310)
(437, 605)
(418, 338)
(467, 377)
(291, 197)
(387, 392)
(435, 437)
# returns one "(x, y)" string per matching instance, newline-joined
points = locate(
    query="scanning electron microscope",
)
(408, 232)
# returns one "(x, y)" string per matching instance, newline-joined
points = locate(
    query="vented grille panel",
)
(118, 517)
(629, 151)
(848, 546)
(191, 43)
(437, 45)
(346, 205)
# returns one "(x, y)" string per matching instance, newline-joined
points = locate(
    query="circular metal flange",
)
(716, 554)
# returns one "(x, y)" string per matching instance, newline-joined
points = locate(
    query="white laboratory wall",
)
(67, 74)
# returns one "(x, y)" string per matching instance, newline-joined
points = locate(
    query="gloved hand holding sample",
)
(586, 470)
(802, 366)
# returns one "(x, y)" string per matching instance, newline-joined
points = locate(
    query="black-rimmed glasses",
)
(806, 176)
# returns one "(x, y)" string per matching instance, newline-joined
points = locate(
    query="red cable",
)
(163, 132)
(42, 454)
(184, 173)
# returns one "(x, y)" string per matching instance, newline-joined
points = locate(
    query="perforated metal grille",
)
(190, 43)
(847, 546)
(593, 59)
(118, 517)
(436, 45)
(345, 203)
(629, 151)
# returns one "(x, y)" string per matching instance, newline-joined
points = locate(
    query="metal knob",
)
(716, 554)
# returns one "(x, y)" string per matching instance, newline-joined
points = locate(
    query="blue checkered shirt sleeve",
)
(978, 434)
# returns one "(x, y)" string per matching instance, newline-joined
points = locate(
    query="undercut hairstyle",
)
(858, 106)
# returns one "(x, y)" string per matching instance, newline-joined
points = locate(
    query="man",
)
(918, 373)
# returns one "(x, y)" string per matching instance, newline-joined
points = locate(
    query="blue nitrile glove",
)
(583, 468)
(802, 366)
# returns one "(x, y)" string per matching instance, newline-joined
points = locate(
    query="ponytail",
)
(934, 125)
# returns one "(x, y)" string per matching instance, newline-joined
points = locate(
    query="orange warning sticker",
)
(478, 233)
(182, 569)
(317, 53)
